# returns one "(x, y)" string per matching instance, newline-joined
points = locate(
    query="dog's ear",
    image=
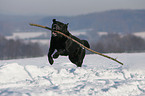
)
(66, 26)
(54, 20)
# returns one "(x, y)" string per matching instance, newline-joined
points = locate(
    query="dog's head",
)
(59, 26)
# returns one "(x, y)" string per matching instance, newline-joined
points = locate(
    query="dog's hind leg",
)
(81, 54)
(77, 59)
(80, 58)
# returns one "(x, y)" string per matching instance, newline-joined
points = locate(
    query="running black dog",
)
(65, 46)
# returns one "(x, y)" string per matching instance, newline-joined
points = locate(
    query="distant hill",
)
(11, 23)
(124, 21)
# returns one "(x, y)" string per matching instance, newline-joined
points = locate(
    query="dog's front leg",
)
(62, 52)
(49, 55)
(56, 55)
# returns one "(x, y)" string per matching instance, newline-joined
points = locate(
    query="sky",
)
(65, 7)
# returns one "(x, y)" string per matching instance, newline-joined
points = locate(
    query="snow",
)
(99, 76)
(140, 34)
(30, 36)
(26, 35)
(77, 33)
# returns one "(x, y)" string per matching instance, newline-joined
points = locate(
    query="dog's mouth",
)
(55, 28)
(54, 33)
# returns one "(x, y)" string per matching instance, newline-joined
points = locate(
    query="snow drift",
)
(98, 76)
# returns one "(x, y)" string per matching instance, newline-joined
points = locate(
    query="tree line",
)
(10, 49)
(119, 43)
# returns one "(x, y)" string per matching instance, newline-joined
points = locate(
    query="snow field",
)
(98, 76)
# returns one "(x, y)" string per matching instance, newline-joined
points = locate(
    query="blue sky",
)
(65, 7)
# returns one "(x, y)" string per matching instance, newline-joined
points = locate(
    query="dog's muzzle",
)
(54, 34)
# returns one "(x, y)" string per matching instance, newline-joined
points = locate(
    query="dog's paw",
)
(51, 60)
(79, 64)
(55, 55)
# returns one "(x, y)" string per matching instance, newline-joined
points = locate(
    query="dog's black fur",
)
(65, 46)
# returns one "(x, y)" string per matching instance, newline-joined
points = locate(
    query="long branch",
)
(78, 43)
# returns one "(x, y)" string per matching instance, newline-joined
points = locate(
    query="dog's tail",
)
(85, 43)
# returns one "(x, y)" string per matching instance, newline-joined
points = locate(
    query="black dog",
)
(65, 46)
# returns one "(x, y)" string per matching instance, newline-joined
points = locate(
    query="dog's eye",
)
(56, 27)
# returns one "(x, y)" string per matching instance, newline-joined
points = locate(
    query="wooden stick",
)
(78, 43)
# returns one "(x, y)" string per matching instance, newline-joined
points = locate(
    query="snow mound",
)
(97, 77)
